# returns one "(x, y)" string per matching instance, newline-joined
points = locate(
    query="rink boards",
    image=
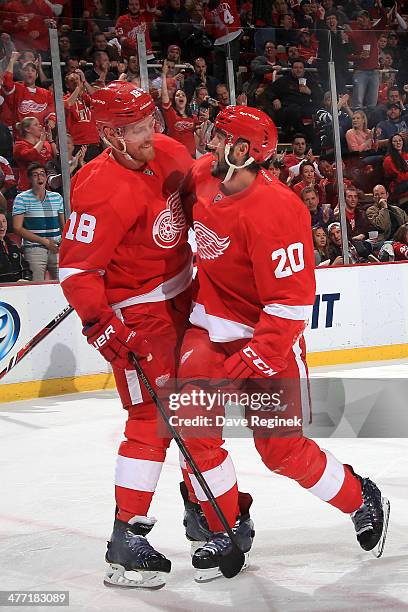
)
(360, 314)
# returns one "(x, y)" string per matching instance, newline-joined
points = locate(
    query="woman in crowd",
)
(396, 165)
(180, 122)
(359, 137)
(277, 168)
(13, 266)
(321, 245)
(307, 175)
(34, 145)
(361, 142)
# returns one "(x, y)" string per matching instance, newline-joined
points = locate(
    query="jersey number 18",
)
(85, 229)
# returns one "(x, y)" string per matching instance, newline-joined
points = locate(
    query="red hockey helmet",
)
(120, 103)
(252, 125)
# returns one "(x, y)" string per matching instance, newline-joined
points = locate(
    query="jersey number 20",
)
(85, 230)
(293, 255)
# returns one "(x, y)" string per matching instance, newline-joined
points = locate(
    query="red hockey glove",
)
(247, 363)
(115, 341)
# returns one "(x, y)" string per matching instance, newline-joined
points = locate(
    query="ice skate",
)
(133, 562)
(371, 519)
(206, 558)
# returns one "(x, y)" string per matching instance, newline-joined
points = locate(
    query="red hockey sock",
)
(132, 503)
(228, 503)
(350, 496)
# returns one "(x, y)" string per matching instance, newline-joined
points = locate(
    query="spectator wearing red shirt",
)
(77, 104)
(9, 178)
(224, 25)
(308, 47)
(307, 175)
(181, 124)
(27, 21)
(32, 146)
(328, 187)
(400, 244)
(26, 99)
(396, 165)
(131, 24)
(358, 224)
(292, 161)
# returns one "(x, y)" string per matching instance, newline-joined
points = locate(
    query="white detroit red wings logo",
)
(169, 223)
(182, 126)
(209, 244)
(29, 106)
(139, 29)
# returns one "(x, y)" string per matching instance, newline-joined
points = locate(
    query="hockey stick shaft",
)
(27, 348)
(183, 449)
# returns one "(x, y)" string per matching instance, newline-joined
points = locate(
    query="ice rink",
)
(58, 455)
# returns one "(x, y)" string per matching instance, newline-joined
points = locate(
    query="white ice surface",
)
(57, 459)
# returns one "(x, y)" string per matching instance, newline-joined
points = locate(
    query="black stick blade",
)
(232, 563)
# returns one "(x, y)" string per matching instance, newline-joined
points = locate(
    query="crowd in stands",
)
(280, 51)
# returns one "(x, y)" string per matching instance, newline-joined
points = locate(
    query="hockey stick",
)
(37, 338)
(232, 563)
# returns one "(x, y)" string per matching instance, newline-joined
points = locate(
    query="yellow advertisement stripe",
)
(93, 382)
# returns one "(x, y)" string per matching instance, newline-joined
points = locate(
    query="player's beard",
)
(142, 153)
(219, 168)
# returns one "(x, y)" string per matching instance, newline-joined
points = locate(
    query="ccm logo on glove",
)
(258, 362)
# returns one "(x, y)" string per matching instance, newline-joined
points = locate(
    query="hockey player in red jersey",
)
(254, 296)
(126, 268)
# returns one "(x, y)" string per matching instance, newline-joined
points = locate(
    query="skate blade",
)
(379, 548)
(212, 573)
(118, 576)
(195, 545)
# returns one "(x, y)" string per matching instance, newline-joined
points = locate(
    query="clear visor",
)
(140, 130)
(217, 138)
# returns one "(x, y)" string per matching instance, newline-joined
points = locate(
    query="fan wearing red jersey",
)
(128, 26)
(26, 99)
(126, 268)
(254, 295)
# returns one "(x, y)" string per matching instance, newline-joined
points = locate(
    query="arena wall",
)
(360, 314)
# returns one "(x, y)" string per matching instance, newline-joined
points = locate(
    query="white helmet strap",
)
(233, 167)
(122, 141)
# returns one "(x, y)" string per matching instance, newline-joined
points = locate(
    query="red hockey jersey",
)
(80, 123)
(126, 240)
(223, 22)
(26, 101)
(27, 23)
(129, 27)
(180, 128)
(255, 262)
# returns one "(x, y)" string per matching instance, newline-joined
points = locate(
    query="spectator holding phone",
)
(180, 122)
